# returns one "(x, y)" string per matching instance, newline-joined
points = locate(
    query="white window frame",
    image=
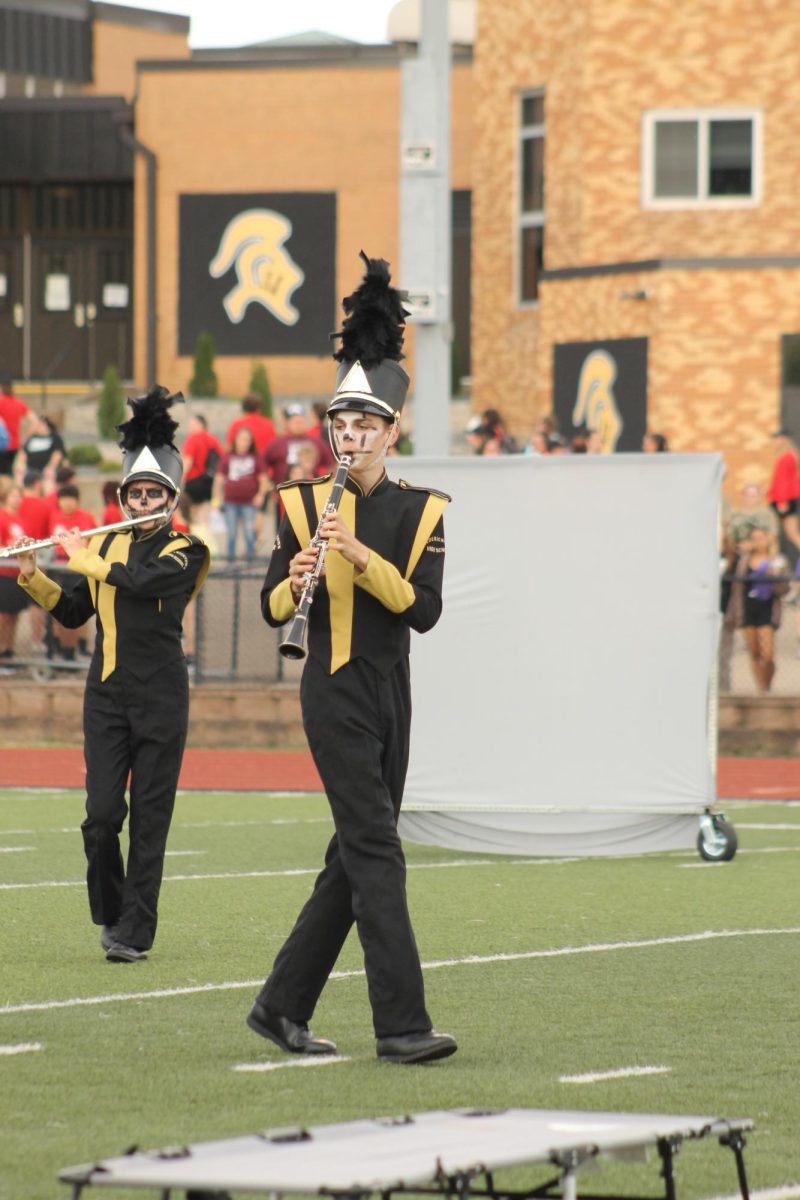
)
(525, 219)
(702, 117)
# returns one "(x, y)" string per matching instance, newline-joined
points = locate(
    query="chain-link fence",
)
(227, 641)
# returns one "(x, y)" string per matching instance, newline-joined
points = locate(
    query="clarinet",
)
(293, 645)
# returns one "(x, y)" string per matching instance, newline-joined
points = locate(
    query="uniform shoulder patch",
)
(411, 487)
(290, 483)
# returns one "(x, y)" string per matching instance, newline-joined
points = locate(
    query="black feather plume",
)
(375, 321)
(151, 425)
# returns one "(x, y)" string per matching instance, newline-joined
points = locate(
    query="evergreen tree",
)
(259, 386)
(111, 404)
(204, 381)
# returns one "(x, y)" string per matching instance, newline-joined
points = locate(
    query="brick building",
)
(636, 238)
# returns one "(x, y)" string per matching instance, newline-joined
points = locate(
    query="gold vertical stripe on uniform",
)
(295, 510)
(431, 515)
(117, 552)
(339, 575)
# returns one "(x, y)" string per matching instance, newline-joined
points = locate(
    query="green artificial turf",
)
(145, 1053)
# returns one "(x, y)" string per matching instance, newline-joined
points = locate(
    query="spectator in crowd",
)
(784, 487)
(261, 427)
(64, 474)
(756, 597)
(317, 429)
(201, 455)
(43, 450)
(654, 443)
(477, 434)
(34, 510)
(240, 485)
(594, 442)
(496, 427)
(283, 453)
(66, 516)
(752, 512)
(111, 509)
(579, 444)
(17, 419)
(11, 530)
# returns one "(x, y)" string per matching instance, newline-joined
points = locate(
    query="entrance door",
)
(12, 308)
(109, 307)
(59, 332)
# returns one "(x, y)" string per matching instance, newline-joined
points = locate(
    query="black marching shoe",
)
(108, 935)
(416, 1047)
(291, 1036)
(119, 952)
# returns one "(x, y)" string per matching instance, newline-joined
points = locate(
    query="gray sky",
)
(240, 22)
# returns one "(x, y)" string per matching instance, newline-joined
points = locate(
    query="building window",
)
(709, 158)
(530, 237)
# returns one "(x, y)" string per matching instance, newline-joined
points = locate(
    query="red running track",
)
(293, 771)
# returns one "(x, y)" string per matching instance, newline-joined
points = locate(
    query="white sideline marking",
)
(289, 871)
(618, 1073)
(309, 1060)
(778, 1193)
(183, 853)
(470, 960)
(21, 1048)
(14, 849)
(767, 825)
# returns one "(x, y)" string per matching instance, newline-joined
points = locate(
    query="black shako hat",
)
(148, 451)
(369, 377)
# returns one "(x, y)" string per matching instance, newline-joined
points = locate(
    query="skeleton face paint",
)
(363, 435)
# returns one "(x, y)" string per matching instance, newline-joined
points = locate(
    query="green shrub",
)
(85, 454)
(203, 383)
(259, 386)
(111, 404)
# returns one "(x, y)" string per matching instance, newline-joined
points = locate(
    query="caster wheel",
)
(717, 841)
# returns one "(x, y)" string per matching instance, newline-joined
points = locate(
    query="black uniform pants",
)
(135, 728)
(357, 724)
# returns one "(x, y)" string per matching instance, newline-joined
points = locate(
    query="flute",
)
(17, 548)
(293, 645)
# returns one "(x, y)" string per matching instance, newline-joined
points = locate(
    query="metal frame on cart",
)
(181, 1168)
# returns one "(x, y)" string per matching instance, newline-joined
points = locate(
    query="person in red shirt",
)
(784, 488)
(34, 509)
(240, 486)
(261, 427)
(201, 453)
(66, 516)
(11, 530)
(18, 420)
(111, 509)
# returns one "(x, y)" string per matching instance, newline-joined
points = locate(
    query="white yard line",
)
(21, 1048)
(315, 1060)
(183, 853)
(617, 1073)
(14, 849)
(289, 871)
(471, 960)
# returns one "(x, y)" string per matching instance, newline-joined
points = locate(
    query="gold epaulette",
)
(288, 483)
(413, 487)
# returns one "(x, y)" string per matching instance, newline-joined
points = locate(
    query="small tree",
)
(111, 405)
(204, 381)
(259, 386)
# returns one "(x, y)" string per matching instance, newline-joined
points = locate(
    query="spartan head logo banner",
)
(257, 271)
(602, 386)
(254, 244)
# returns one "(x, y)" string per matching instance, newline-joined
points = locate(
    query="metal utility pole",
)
(425, 224)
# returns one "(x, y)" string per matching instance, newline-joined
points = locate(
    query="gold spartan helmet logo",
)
(596, 404)
(253, 243)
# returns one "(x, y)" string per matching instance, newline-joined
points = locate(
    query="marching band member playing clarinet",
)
(382, 577)
(136, 702)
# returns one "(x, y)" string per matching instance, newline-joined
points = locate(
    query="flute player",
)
(383, 577)
(138, 581)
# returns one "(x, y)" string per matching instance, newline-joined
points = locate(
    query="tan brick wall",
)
(333, 129)
(713, 352)
(714, 349)
(117, 49)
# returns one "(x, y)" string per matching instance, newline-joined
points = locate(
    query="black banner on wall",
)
(257, 271)
(602, 386)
